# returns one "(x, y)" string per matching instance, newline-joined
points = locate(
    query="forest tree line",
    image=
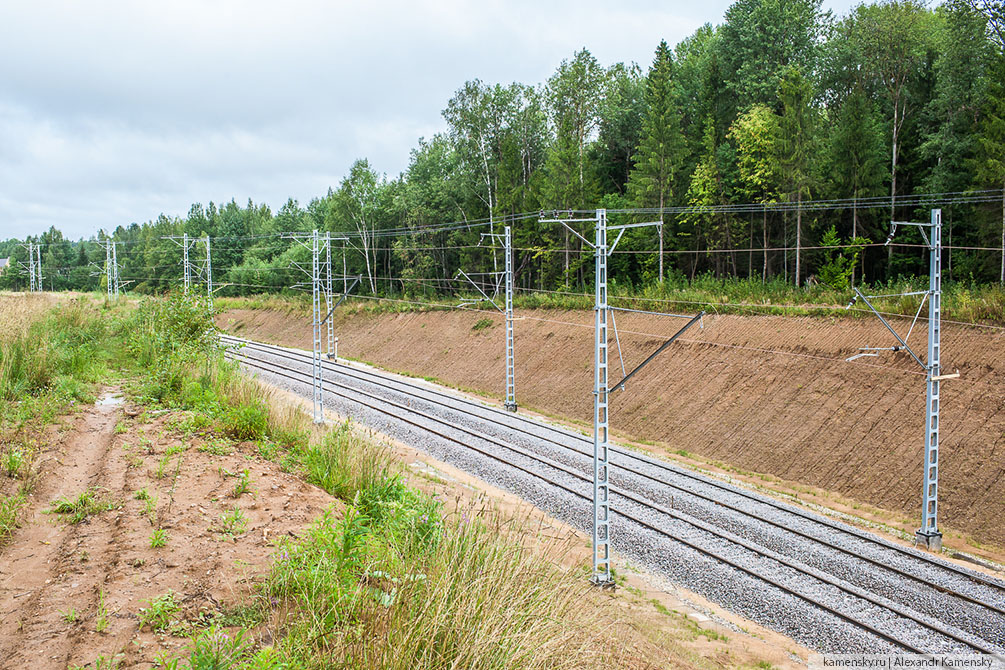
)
(781, 106)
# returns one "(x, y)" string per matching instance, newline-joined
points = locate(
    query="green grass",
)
(962, 301)
(88, 502)
(10, 510)
(160, 611)
(101, 616)
(234, 523)
(242, 486)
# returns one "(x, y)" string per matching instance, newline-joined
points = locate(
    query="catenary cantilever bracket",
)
(477, 288)
(859, 295)
(345, 295)
(621, 384)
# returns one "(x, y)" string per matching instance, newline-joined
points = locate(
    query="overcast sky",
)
(114, 112)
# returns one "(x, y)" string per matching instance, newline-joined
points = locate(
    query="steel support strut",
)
(115, 270)
(601, 451)
(929, 532)
(510, 354)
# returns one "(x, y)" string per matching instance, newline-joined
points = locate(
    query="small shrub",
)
(247, 422)
(10, 509)
(482, 324)
(343, 464)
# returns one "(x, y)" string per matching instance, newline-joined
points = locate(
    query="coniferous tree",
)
(661, 151)
(990, 163)
(797, 145)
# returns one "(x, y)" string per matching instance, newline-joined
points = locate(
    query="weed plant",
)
(158, 538)
(88, 502)
(160, 611)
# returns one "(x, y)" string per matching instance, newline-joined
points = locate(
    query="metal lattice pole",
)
(316, 290)
(601, 452)
(209, 276)
(31, 266)
(38, 266)
(510, 354)
(186, 268)
(928, 534)
(929, 531)
(328, 294)
(115, 271)
(109, 278)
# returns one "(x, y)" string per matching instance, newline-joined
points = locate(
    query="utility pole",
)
(314, 243)
(507, 279)
(186, 274)
(510, 403)
(209, 277)
(109, 278)
(601, 452)
(319, 282)
(38, 267)
(34, 266)
(928, 534)
(111, 271)
(319, 410)
(186, 268)
(31, 262)
(115, 270)
(328, 293)
(601, 381)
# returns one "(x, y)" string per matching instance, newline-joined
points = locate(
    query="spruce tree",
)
(661, 151)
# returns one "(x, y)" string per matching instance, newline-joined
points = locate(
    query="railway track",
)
(889, 594)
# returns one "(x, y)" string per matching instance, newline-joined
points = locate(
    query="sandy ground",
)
(53, 575)
(770, 398)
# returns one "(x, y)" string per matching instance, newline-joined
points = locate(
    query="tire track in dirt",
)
(48, 567)
(35, 557)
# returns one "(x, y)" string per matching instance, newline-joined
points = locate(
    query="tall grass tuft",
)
(42, 350)
(477, 596)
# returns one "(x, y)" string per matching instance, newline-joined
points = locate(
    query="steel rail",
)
(294, 355)
(270, 367)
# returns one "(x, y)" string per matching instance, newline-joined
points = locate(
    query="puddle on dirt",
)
(110, 399)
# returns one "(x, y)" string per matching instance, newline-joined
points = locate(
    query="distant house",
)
(4, 262)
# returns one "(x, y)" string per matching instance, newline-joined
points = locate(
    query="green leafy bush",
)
(246, 422)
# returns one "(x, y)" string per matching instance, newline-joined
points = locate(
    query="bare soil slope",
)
(762, 393)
